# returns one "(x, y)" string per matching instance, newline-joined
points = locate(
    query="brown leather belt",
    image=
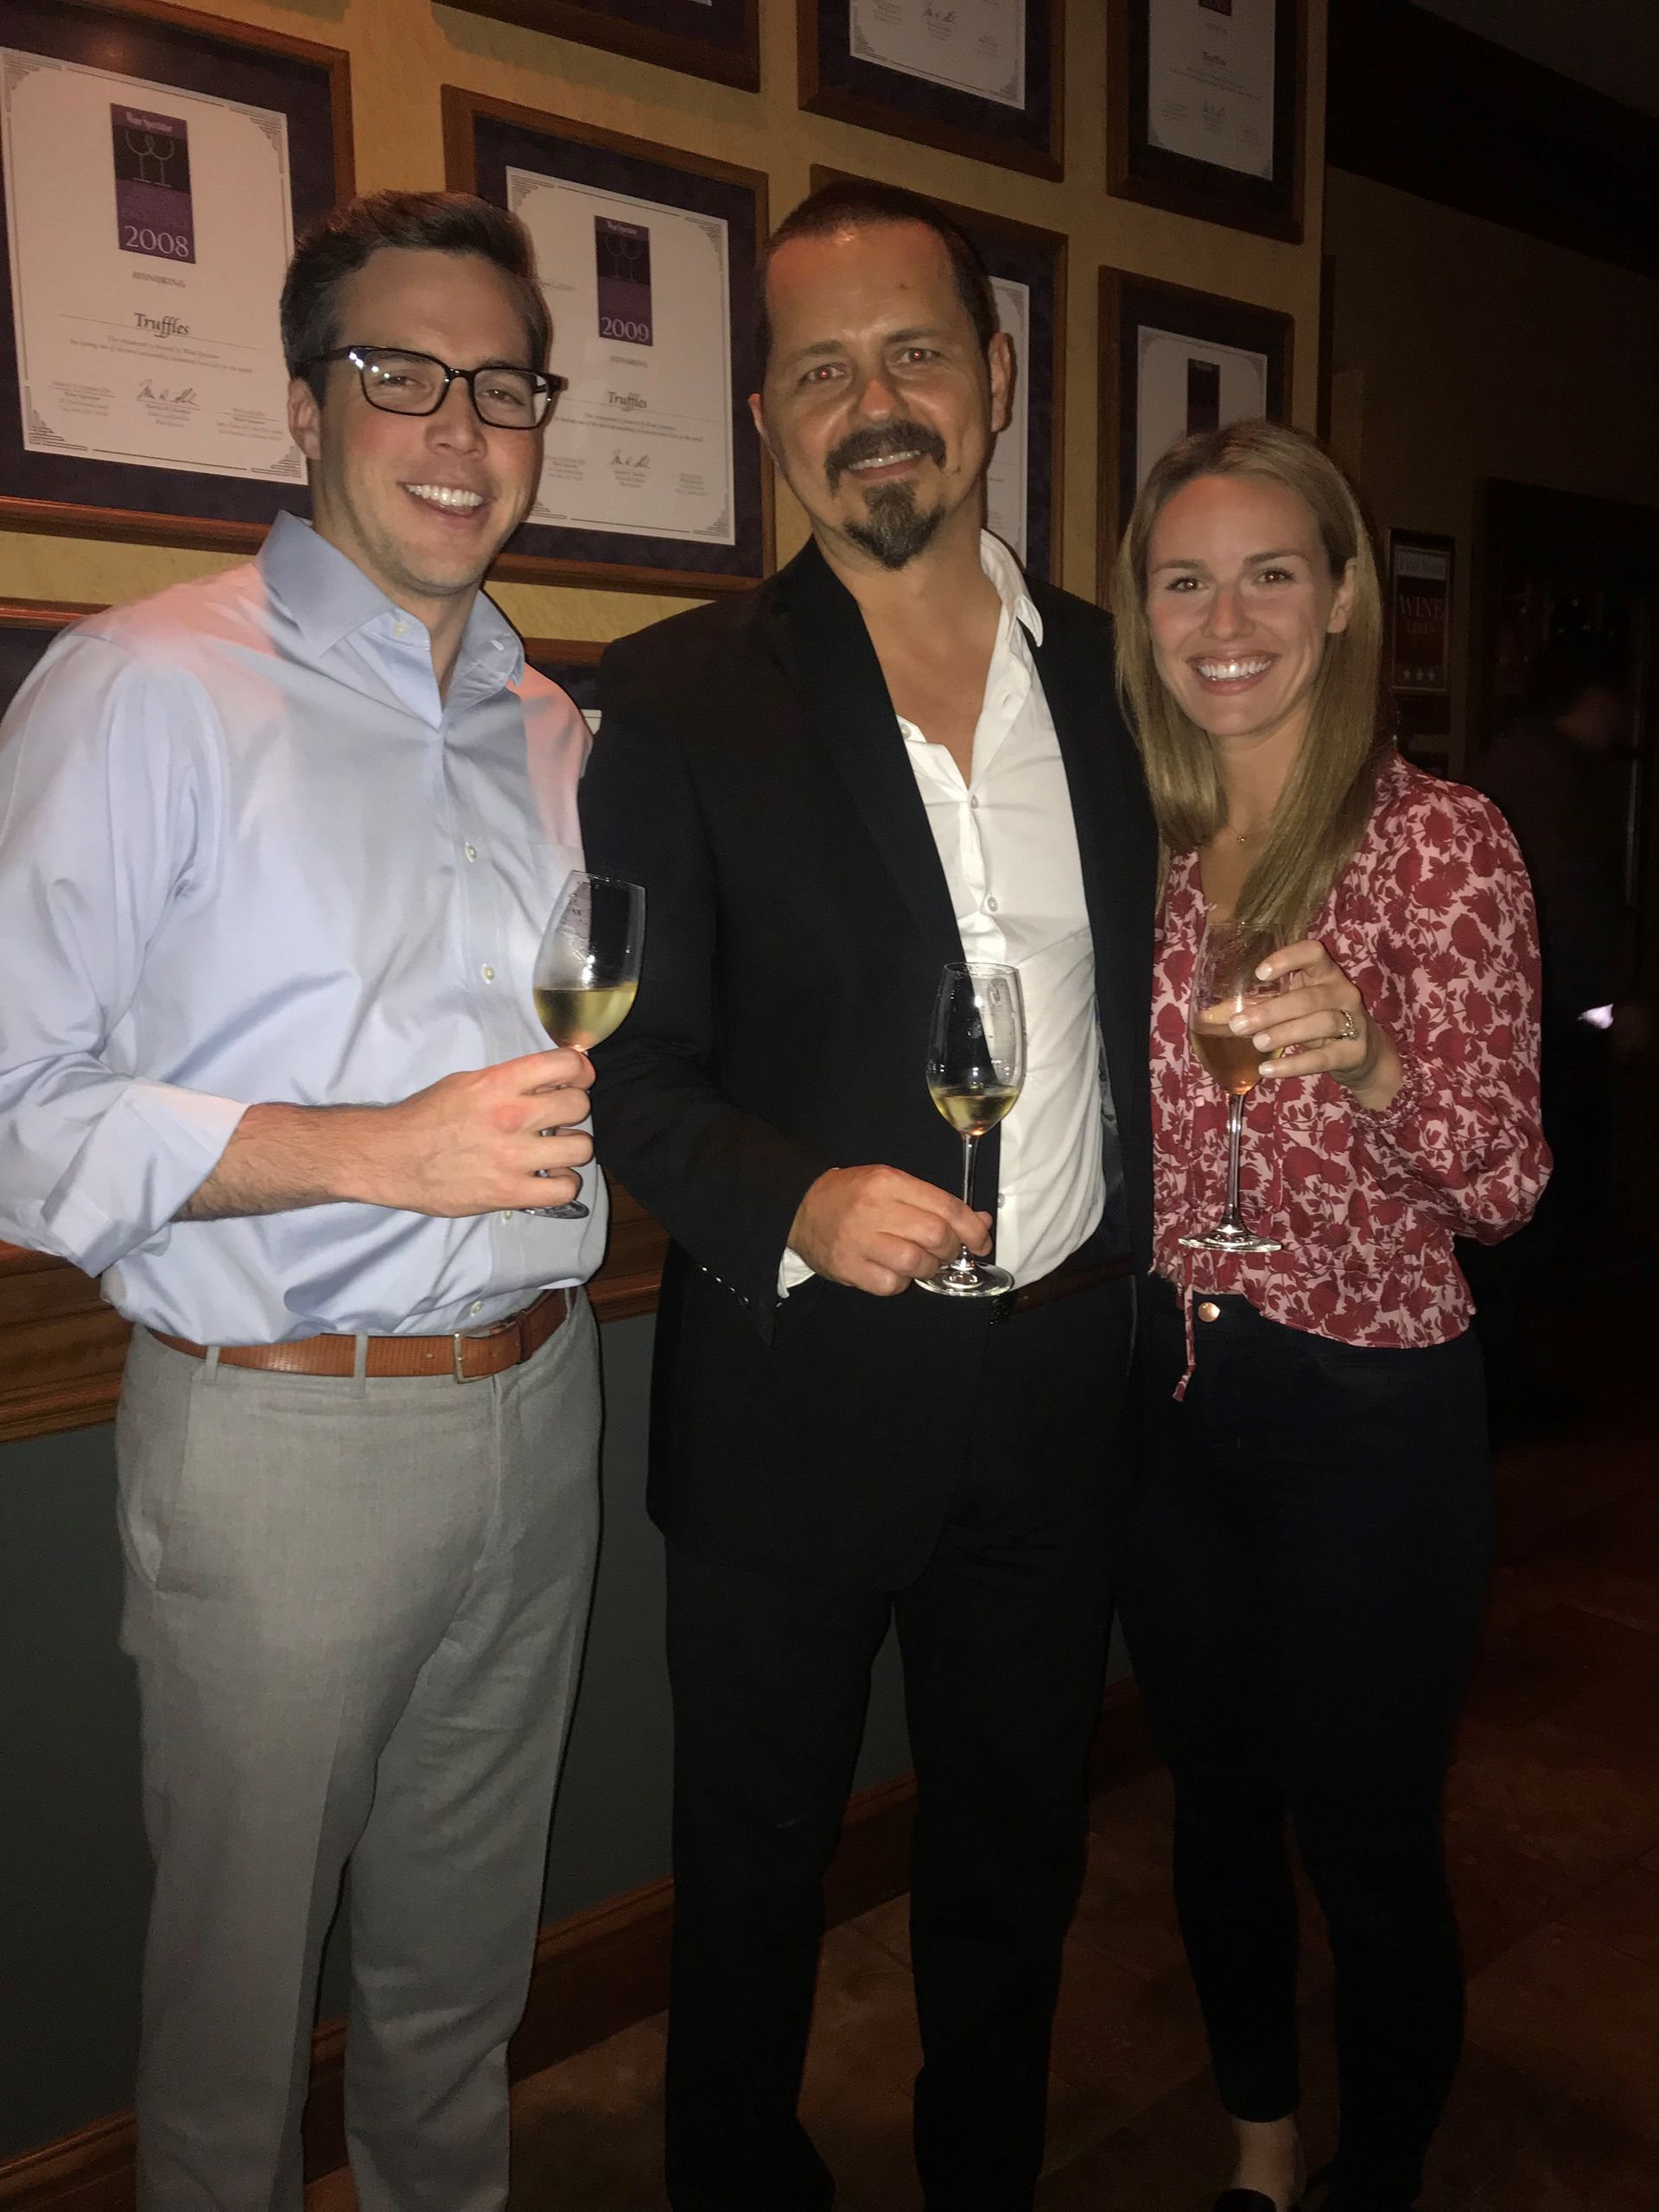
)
(467, 1358)
(1064, 1282)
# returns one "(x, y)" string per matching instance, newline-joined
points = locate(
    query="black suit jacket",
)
(750, 773)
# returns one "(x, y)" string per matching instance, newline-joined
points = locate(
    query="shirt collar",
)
(330, 599)
(1004, 572)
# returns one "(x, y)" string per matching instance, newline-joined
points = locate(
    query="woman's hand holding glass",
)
(1320, 1026)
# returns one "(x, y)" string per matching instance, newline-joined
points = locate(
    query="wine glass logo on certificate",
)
(640, 443)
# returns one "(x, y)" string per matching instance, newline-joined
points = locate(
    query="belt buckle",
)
(455, 1344)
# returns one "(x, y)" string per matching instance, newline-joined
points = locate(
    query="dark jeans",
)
(1003, 1638)
(1303, 1591)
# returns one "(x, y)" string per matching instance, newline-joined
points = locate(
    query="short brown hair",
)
(856, 204)
(337, 246)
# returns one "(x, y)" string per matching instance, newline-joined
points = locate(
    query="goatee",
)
(894, 530)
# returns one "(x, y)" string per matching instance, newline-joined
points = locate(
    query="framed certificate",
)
(652, 475)
(1205, 108)
(977, 77)
(1172, 362)
(706, 38)
(1419, 631)
(157, 166)
(1027, 273)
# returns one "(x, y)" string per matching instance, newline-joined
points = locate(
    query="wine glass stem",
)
(970, 1150)
(1235, 1134)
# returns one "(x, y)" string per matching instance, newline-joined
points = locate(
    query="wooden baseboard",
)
(595, 1974)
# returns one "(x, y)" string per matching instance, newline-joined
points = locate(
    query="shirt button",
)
(990, 905)
(487, 972)
(400, 629)
(477, 1306)
(1209, 1311)
(974, 803)
(471, 851)
(506, 1216)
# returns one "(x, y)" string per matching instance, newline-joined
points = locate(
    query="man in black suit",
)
(893, 754)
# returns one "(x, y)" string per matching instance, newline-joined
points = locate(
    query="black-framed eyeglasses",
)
(402, 383)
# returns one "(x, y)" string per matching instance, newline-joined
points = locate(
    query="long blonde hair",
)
(1327, 799)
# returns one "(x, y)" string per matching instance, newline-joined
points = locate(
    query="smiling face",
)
(881, 406)
(422, 503)
(1240, 602)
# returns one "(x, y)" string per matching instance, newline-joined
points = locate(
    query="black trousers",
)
(1304, 1581)
(1003, 1638)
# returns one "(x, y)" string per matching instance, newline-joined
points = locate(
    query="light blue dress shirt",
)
(247, 853)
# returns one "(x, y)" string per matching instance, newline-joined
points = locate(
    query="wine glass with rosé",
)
(1225, 984)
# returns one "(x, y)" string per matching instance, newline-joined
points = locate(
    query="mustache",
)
(884, 441)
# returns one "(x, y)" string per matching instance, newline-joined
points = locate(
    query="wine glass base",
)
(573, 1212)
(984, 1282)
(1223, 1239)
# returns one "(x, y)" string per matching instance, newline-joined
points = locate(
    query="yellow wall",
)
(403, 50)
(1464, 350)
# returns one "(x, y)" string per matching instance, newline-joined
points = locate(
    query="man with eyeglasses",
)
(276, 850)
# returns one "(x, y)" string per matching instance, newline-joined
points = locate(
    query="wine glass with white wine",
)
(976, 1066)
(1224, 984)
(587, 973)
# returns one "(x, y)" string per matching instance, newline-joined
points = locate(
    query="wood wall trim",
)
(595, 1974)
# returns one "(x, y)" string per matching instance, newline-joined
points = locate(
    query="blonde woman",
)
(1312, 1545)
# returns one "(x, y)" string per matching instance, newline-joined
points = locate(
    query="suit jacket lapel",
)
(1110, 813)
(819, 636)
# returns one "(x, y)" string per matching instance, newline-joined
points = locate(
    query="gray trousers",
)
(357, 1609)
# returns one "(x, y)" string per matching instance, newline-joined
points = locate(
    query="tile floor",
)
(1554, 1843)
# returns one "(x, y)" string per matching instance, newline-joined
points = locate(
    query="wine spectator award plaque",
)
(1205, 110)
(150, 212)
(982, 78)
(1172, 361)
(653, 475)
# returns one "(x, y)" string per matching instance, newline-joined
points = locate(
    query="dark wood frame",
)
(906, 107)
(62, 1349)
(1422, 713)
(528, 562)
(123, 517)
(1137, 169)
(981, 227)
(1128, 302)
(595, 22)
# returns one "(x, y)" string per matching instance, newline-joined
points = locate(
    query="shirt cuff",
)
(154, 1148)
(792, 1273)
(1403, 1108)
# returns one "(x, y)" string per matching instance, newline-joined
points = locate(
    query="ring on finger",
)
(1349, 1030)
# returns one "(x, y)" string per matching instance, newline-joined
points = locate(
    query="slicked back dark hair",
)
(339, 245)
(856, 205)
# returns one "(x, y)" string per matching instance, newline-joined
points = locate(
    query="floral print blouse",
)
(1431, 920)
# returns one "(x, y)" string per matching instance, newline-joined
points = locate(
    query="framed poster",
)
(1172, 362)
(157, 166)
(1205, 108)
(1027, 273)
(1419, 631)
(704, 38)
(651, 474)
(983, 77)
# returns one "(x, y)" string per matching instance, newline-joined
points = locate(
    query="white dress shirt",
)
(1008, 847)
(247, 851)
